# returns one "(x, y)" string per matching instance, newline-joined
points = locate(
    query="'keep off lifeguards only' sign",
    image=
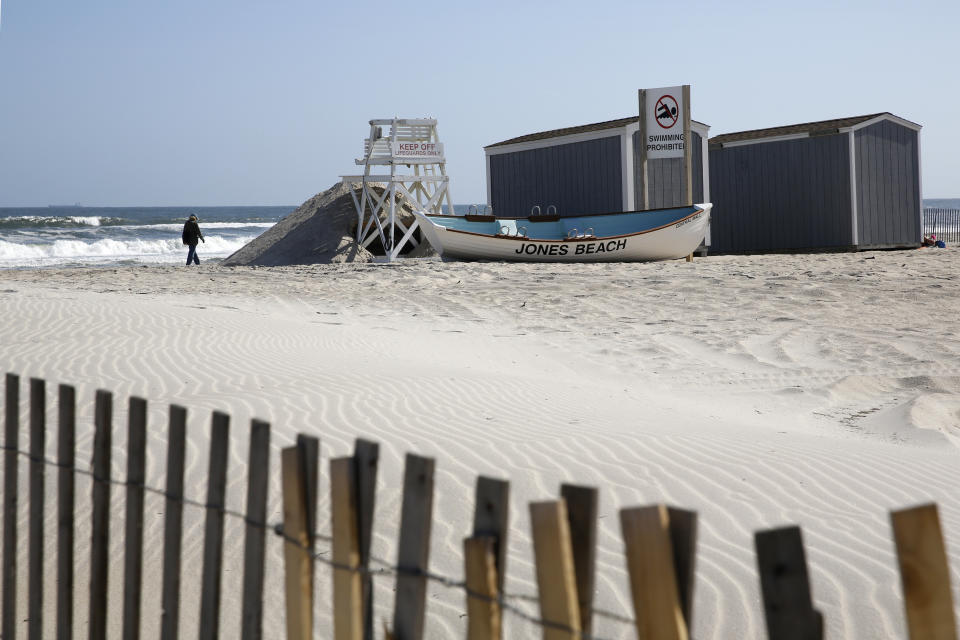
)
(664, 118)
(417, 149)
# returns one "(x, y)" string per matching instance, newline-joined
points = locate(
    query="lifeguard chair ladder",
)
(410, 142)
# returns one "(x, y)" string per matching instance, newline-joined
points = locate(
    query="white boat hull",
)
(676, 240)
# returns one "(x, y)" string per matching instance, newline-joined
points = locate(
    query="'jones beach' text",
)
(575, 249)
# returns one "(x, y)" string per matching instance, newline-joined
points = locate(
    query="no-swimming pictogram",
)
(667, 112)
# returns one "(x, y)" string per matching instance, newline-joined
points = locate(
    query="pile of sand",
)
(320, 231)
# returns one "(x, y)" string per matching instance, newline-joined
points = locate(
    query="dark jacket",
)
(191, 233)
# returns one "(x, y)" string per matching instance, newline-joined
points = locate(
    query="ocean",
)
(109, 236)
(942, 203)
(71, 236)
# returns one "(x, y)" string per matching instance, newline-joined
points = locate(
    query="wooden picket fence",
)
(659, 542)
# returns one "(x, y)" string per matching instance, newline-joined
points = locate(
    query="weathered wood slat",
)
(483, 610)
(556, 581)
(38, 442)
(683, 540)
(925, 573)
(213, 534)
(413, 555)
(11, 440)
(258, 478)
(347, 591)
(100, 534)
(366, 456)
(136, 477)
(66, 458)
(653, 582)
(643, 196)
(298, 566)
(491, 518)
(173, 524)
(582, 511)
(785, 586)
(309, 447)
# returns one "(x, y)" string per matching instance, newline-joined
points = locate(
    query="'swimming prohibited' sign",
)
(667, 111)
(664, 118)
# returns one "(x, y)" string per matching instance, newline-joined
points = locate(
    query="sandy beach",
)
(821, 390)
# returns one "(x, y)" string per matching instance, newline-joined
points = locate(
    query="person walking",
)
(192, 233)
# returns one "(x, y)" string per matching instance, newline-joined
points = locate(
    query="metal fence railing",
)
(945, 223)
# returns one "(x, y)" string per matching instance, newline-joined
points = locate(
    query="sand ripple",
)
(759, 391)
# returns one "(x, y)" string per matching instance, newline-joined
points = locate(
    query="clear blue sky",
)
(128, 102)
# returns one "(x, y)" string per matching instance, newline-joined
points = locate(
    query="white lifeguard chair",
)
(411, 143)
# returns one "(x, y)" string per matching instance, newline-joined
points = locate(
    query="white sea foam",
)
(14, 254)
(92, 221)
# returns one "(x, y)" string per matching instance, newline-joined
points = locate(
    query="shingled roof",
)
(556, 133)
(823, 127)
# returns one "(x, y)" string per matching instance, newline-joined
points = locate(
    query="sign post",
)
(644, 197)
(665, 133)
(687, 147)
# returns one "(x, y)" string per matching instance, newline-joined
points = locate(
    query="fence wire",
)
(385, 568)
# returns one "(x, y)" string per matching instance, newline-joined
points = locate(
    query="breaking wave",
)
(178, 226)
(69, 222)
(111, 250)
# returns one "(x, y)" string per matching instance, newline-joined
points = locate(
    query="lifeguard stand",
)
(414, 144)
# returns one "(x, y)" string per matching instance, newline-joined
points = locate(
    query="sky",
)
(230, 102)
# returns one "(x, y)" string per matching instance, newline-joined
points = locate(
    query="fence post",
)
(653, 580)
(136, 477)
(309, 447)
(483, 609)
(173, 524)
(258, 477)
(787, 604)
(366, 455)
(924, 572)
(582, 504)
(100, 534)
(347, 590)
(10, 475)
(491, 518)
(213, 533)
(38, 426)
(298, 565)
(556, 581)
(413, 554)
(66, 446)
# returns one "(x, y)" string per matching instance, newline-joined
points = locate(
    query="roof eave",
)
(881, 117)
(814, 131)
(619, 123)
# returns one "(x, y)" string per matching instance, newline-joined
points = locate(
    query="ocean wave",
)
(14, 254)
(20, 222)
(178, 226)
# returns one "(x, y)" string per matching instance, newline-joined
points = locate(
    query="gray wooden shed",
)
(849, 183)
(592, 168)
